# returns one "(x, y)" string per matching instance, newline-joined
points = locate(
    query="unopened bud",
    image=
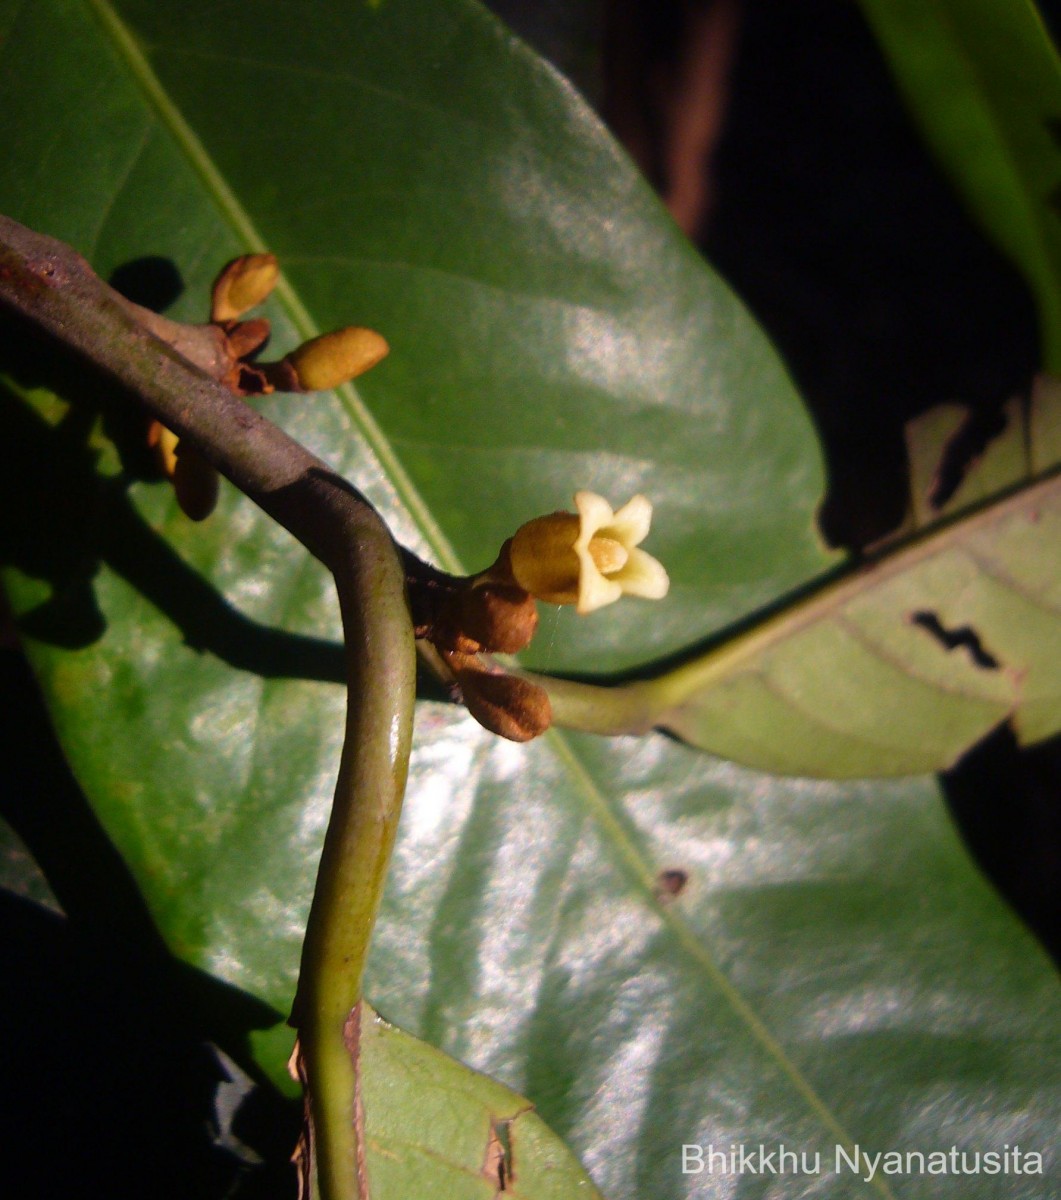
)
(164, 443)
(501, 618)
(248, 336)
(507, 705)
(196, 483)
(332, 359)
(243, 285)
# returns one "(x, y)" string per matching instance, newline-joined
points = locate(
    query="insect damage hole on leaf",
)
(670, 884)
(233, 1090)
(965, 636)
(498, 1164)
(963, 449)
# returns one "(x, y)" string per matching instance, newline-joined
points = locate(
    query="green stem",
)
(353, 866)
(53, 287)
(610, 710)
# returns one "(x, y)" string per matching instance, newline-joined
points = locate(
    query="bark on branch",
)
(52, 286)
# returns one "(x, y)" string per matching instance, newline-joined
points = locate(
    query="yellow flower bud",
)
(195, 481)
(334, 358)
(588, 559)
(164, 443)
(243, 285)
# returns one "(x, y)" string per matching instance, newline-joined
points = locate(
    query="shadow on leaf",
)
(65, 519)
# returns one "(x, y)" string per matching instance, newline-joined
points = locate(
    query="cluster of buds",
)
(320, 364)
(588, 558)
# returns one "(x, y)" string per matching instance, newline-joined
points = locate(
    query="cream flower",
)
(588, 559)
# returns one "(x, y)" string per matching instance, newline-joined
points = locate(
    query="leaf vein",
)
(239, 219)
(305, 71)
(907, 670)
(122, 183)
(687, 938)
(1006, 580)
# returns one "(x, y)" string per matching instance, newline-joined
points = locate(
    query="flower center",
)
(608, 555)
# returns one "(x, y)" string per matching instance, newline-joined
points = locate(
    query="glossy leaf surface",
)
(834, 970)
(906, 663)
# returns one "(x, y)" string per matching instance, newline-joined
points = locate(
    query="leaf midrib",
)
(638, 869)
(825, 604)
(245, 229)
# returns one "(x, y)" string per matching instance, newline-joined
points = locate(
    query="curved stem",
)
(357, 847)
(52, 286)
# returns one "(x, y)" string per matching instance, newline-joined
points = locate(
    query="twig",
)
(52, 286)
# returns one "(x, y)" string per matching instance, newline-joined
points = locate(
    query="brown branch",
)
(50, 284)
(53, 287)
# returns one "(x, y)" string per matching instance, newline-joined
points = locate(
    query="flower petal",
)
(643, 576)
(594, 591)
(593, 512)
(631, 523)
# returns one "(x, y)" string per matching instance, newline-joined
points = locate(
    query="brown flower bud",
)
(196, 483)
(335, 358)
(247, 336)
(507, 705)
(501, 618)
(242, 285)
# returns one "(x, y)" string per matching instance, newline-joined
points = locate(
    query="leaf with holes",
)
(904, 664)
(834, 969)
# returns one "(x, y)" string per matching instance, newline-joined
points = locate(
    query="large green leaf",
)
(835, 971)
(984, 82)
(906, 662)
(548, 329)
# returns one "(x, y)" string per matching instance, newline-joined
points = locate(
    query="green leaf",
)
(983, 81)
(902, 665)
(835, 970)
(435, 1128)
(549, 330)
